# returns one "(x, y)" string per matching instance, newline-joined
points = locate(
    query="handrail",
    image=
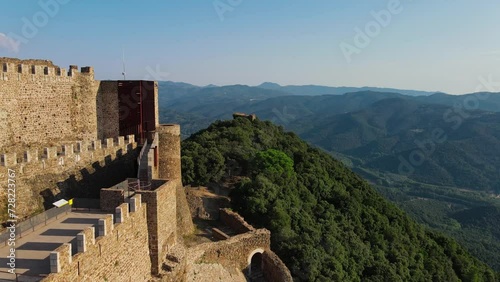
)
(30, 224)
(142, 152)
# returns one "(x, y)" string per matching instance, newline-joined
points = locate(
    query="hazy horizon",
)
(435, 46)
(258, 84)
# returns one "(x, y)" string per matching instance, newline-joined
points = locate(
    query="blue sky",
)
(424, 44)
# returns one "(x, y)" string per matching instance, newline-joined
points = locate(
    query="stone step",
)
(257, 276)
(173, 258)
(169, 265)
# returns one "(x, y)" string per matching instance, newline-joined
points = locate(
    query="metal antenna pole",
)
(123, 62)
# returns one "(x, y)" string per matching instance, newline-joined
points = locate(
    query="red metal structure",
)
(137, 108)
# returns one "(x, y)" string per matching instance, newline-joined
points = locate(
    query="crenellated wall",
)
(41, 103)
(45, 102)
(119, 253)
(77, 169)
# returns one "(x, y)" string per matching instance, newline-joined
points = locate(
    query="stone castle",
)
(99, 144)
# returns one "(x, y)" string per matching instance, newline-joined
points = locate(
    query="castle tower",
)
(169, 168)
(169, 152)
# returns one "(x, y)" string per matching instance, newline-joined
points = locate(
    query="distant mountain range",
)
(308, 90)
(328, 90)
(382, 135)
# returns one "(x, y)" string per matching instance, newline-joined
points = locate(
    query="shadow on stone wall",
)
(87, 182)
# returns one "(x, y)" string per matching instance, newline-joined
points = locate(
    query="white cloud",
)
(8, 43)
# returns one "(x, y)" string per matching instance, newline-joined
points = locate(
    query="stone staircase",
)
(144, 174)
(173, 258)
(256, 276)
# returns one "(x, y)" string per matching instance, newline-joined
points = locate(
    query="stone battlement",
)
(67, 153)
(42, 103)
(14, 69)
(105, 253)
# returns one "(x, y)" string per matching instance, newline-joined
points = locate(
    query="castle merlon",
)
(74, 152)
(22, 71)
(110, 228)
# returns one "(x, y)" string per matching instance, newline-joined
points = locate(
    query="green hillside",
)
(327, 223)
(371, 131)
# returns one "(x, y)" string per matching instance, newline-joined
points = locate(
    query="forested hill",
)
(327, 223)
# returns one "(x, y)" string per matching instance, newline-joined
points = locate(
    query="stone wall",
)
(169, 151)
(107, 110)
(235, 221)
(184, 221)
(205, 204)
(40, 104)
(111, 198)
(162, 221)
(119, 255)
(274, 269)
(70, 170)
(234, 252)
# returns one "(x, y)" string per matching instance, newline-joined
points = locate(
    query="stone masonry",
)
(120, 254)
(41, 103)
(60, 133)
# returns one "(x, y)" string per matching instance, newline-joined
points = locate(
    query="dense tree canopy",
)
(327, 223)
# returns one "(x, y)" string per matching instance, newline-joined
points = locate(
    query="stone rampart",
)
(46, 174)
(41, 103)
(119, 253)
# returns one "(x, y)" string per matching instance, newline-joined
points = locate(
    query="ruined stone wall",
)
(235, 221)
(121, 254)
(205, 204)
(234, 252)
(72, 170)
(274, 269)
(184, 221)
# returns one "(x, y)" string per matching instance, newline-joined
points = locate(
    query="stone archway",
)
(255, 262)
